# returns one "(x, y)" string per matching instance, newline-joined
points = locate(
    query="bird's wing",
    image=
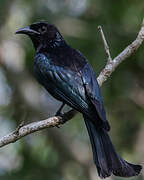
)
(79, 89)
(93, 92)
(62, 83)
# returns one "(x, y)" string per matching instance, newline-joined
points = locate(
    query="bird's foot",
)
(61, 115)
(62, 118)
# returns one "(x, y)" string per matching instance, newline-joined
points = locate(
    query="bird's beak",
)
(27, 30)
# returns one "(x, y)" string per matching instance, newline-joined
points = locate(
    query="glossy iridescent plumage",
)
(67, 76)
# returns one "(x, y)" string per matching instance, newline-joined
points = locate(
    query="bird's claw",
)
(61, 115)
(62, 118)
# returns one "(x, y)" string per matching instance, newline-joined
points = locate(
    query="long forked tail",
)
(105, 157)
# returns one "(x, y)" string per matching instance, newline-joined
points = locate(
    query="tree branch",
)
(105, 44)
(128, 51)
(36, 126)
(104, 74)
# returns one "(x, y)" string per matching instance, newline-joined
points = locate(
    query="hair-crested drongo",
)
(67, 76)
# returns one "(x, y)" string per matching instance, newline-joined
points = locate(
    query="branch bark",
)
(128, 51)
(103, 76)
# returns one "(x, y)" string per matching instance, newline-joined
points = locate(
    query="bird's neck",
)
(50, 46)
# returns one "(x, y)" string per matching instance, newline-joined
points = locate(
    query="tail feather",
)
(105, 157)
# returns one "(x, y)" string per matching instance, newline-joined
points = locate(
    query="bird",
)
(66, 74)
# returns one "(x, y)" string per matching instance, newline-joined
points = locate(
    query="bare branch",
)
(36, 126)
(104, 74)
(128, 51)
(105, 44)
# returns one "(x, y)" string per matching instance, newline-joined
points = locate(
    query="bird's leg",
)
(58, 113)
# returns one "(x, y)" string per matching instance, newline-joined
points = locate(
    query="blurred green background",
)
(65, 153)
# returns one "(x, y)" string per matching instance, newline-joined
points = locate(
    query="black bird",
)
(66, 75)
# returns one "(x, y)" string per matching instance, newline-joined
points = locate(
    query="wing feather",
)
(79, 89)
(93, 92)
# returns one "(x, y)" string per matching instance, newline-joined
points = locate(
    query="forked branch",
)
(128, 51)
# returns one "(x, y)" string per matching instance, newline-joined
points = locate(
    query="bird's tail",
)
(105, 157)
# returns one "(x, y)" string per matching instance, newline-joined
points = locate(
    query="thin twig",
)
(54, 121)
(105, 44)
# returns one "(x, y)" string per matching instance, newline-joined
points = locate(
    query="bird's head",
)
(42, 35)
